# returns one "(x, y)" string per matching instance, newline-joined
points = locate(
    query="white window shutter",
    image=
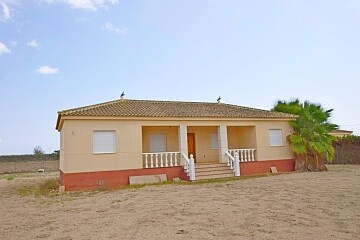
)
(157, 142)
(214, 141)
(276, 137)
(104, 142)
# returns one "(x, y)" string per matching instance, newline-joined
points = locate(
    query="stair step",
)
(225, 168)
(212, 170)
(210, 165)
(215, 176)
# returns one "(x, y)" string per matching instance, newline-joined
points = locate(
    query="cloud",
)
(47, 70)
(90, 5)
(4, 49)
(5, 12)
(33, 43)
(119, 30)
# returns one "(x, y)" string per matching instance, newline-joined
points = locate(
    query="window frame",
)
(114, 143)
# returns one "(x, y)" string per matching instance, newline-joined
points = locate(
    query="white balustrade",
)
(245, 155)
(234, 163)
(161, 159)
(189, 166)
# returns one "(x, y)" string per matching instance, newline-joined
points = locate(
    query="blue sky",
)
(60, 54)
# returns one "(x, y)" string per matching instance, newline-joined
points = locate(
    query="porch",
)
(209, 148)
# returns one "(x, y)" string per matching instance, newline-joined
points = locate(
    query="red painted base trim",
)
(258, 167)
(90, 180)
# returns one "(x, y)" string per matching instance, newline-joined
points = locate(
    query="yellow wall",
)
(263, 149)
(78, 154)
(132, 140)
(171, 132)
(241, 137)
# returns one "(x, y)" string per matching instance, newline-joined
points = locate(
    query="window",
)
(104, 142)
(276, 137)
(158, 142)
(214, 141)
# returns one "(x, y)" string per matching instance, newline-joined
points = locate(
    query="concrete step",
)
(212, 171)
(225, 168)
(216, 176)
(209, 165)
(205, 171)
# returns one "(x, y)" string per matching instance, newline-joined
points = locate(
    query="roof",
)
(340, 132)
(170, 109)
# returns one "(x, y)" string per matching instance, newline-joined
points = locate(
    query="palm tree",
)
(311, 140)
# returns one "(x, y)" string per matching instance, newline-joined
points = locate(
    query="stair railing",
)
(234, 163)
(189, 166)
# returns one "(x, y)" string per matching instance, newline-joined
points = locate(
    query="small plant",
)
(10, 177)
(47, 187)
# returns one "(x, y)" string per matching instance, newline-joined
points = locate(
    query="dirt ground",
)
(318, 205)
(29, 166)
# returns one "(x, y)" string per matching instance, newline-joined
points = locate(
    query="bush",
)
(47, 187)
(347, 150)
(29, 157)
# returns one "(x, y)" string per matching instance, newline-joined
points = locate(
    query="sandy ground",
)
(322, 205)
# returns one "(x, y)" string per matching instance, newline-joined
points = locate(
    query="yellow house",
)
(340, 133)
(104, 144)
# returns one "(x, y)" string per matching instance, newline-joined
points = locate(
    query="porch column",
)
(222, 142)
(183, 145)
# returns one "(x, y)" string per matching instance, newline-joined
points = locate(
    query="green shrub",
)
(10, 177)
(47, 187)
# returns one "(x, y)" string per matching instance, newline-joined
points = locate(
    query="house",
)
(104, 144)
(340, 133)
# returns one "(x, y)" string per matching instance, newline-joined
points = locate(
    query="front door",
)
(191, 144)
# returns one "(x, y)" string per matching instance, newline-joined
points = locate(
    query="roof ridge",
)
(91, 106)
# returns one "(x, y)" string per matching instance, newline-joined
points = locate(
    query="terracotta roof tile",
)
(151, 108)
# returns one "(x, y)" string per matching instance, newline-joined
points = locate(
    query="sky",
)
(61, 54)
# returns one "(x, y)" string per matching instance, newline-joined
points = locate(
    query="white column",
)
(223, 143)
(183, 144)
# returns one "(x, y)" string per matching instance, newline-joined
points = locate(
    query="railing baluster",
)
(156, 160)
(171, 163)
(175, 156)
(151, 161)
(146, 161)
(166, 159)
(252, 154)
(161, 160)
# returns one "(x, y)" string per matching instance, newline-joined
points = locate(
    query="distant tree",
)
(38, 150)
(311, 141)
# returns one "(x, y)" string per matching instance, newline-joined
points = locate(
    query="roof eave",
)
(58, 127)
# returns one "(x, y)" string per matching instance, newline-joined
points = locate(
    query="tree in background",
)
(311, 141)
(38, 150)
